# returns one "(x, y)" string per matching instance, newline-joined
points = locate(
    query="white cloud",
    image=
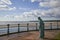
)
(54, 12)
(8, 8)
(13, 8)
(4, 5)
(1, 2)
(25, 9)
(36, 0)
(14, 18)
(51, 13)
(54, 6)
(6, 2)
(33, 14)
(48, 3)
(51, 3)
(33, 0)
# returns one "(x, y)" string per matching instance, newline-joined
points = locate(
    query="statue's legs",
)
(42, 31)
(42, 34)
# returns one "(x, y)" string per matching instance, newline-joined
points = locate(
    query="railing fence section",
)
(9, 28)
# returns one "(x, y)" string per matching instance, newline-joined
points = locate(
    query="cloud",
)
(13, 8)
(14, 18)
(8, 8)
(36, 0)
(8, 2)
(48, 3)
(33, 14)
(25, 9)
(51, 3)
(33, 0)
(4, 5)
(53, 12)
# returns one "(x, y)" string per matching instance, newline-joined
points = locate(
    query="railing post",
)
(27, 26)
(8, 29)
(51, 26)
(36, 26)
(18, 28)
(57, 24)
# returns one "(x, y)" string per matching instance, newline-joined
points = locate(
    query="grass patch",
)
(57, 37)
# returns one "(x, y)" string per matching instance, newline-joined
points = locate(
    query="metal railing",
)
(32, 25)
(8, 28)
(52, 24)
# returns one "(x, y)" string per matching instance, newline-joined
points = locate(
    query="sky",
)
(26, 10)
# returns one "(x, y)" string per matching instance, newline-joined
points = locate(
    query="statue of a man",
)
(41, 27)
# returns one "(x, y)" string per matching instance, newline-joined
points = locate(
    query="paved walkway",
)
(33, 35)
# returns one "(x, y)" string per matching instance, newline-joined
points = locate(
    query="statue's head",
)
(39, 18)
